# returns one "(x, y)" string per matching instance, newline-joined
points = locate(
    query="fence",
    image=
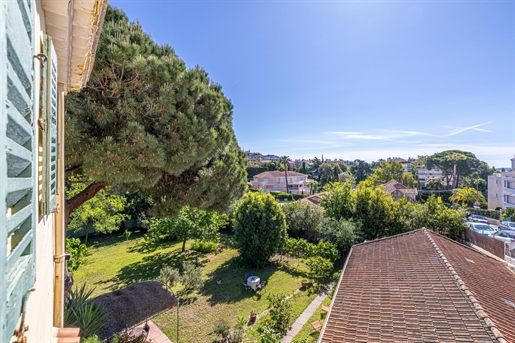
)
(509, 248)
(490, 244)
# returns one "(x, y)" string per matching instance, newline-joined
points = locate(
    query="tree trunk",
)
(88, 193)
(184, 245)
(286, 177)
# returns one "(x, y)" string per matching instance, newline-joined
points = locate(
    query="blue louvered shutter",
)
(49, 100)
(17, 161)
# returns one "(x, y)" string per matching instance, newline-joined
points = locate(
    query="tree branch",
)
(88, 193)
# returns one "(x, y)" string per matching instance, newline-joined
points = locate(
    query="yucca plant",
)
(81, 312)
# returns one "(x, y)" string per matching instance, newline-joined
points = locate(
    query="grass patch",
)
(115, 263)
(307, 330)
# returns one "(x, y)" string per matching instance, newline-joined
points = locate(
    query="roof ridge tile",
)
(476, 306)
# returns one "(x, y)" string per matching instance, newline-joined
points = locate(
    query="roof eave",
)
(75, 31)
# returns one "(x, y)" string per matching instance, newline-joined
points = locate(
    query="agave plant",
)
(80, 311)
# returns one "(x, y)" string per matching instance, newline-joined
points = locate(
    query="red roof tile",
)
(413, 288)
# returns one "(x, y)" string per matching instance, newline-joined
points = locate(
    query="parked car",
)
(507, 225)
(477, 219)
(504, 235)
(482, 228)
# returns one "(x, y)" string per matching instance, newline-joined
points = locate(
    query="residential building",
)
(271, 158)
(421, 287)
(276, 181)
(425, 174)
(47, 48)
(398, 190)
(501, 189)
(253, 157)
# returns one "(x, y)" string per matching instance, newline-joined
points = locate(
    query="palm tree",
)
(285, 160)
(313, 186)
(467, 195)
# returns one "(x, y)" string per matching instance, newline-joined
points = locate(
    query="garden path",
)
(304, 317)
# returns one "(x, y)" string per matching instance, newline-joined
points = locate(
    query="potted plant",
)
(253, 316)
(218, 281)
(304, 283)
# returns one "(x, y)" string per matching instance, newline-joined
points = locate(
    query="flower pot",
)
(253, 318)
(305, 284)
(219, 281)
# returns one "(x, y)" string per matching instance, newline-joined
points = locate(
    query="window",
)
(17, 161)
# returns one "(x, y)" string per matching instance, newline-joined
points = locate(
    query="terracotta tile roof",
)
(277, 173)
(315, 199)
(419, 287)
(393, 186)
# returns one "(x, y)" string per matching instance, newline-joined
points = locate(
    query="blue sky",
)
(353, 79)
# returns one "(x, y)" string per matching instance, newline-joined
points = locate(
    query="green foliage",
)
(203, 247)
(102, 213)
(169, 276)
(81, 312)
(269, 334)
(509, 212)
(191, 277)
(302, 340)
(281, 312)
(450, 162)
(260, 228)
(389, 170)
(326, 250)
(222, 327)
(298, 248)
(282, 196)
(303, 219)
(330, 172)
(409, 180)
(467, 196)
(78, 252)
(188, 223)
(125, 337)
(343, 233)
(361, 170)
(319, 268)
(146, 123)
(439, 218)
(126, 234)
(340, 202)
(91, 339)
(253, 171)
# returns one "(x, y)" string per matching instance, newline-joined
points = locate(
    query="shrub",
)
(203, 247)
(78, 252)
(168, 276)
(191, 277)
(81, 312)
(260, 228)
(341, 233)
(269, 334)
(319, 268)
(280, 312)
(222, 327)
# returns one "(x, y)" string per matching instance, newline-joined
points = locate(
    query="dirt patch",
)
(132, 305)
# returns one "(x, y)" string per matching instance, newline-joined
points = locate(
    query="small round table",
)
(253, 282)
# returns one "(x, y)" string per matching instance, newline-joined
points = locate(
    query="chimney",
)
(513, 164)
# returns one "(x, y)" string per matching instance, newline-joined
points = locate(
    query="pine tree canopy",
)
(145, 122)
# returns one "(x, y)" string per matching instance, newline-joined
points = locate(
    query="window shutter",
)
(17, 161)
(49, 97)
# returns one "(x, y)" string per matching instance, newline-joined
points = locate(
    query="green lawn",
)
(114, 263)
(307, 330)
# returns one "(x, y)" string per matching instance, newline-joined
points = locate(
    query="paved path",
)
(155, 335)
(304, 317)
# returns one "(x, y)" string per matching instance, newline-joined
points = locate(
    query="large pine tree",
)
(145, 122)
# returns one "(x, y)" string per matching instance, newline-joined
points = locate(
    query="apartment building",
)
(276, 181)
(425, 174)
(501, 188)
(254, 158)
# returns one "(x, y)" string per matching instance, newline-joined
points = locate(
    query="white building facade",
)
(501, 189)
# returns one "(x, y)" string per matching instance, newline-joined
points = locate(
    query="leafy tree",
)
(408, 180)
(455, 163)
(361, 170)
(189, 223)
(509, 212)
(340, 201)
(374, 209)
(78, 252)
(467, 196)
(146, 123)
(330, 172)
(439, 218)
(343, 233)
(260, 228)
(319, 268)
(191, 277)
(390, 170)
(313, 186)
(169, 276)
(101, 213)
(281, 312)
(303, 219)
(435, 183)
